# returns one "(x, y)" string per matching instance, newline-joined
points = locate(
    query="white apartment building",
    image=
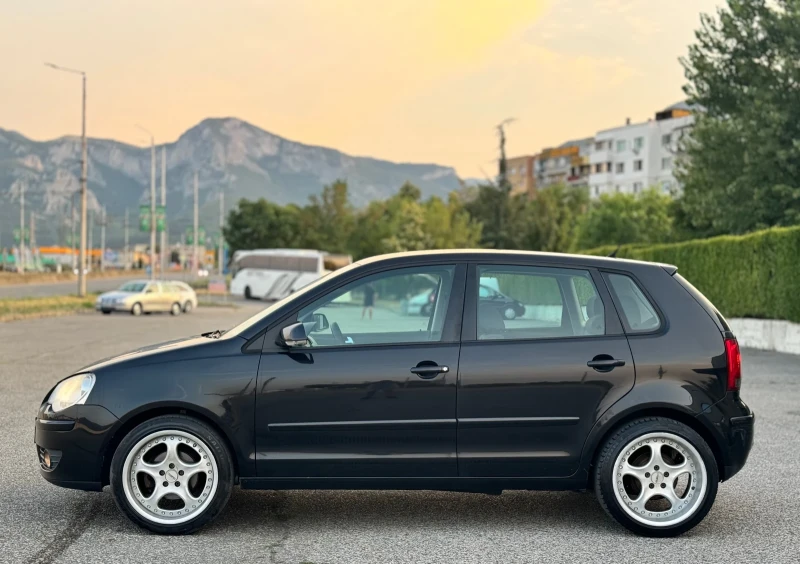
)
(633, 157)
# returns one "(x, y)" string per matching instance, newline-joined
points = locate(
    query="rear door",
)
(531, 388)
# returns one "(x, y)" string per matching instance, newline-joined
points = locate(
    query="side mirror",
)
(320, 322)
(294, 335)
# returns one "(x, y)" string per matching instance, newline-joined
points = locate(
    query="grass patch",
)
(25, 308)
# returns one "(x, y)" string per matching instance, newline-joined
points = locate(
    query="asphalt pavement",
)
(755, 518)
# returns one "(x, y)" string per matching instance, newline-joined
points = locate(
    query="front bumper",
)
(70, 445)
(111, 307)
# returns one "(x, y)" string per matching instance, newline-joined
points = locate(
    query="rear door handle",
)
(605, 364)
(428, 372)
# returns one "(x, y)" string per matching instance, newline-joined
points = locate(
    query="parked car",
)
(634, 394)
(147, 296)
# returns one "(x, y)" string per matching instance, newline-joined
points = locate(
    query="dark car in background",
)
(621, 378)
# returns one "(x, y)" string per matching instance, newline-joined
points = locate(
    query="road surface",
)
(755, 518)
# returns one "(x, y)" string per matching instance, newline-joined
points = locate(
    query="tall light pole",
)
(195, 254)
(84, 168)
(164, 206)
(221, 249)
(152, 203)
(21, 261)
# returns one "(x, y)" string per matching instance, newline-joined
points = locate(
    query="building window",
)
(621, 145)
(666, 163)
(599, 146)
(637, 187)
(666, 139)
(620, 168)
(637, 165)
(596, 190)
(666, 186)
(598, 168)
(608, 166)
(638, 143)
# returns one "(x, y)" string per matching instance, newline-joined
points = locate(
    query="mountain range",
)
(228, 154)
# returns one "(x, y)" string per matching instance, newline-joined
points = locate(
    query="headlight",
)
(72, 391)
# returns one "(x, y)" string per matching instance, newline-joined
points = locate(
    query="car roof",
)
(492, 255)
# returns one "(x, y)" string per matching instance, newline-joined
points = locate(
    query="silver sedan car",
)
(146, 296)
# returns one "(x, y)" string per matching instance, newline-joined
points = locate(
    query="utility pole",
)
(126, 263)
(103, 240)
(164, 206)
(72, 221)
(33, 239)
(152, 203)
(221, 248)
(91, 237)
(21, 262)
(84, 176)
(195, 255)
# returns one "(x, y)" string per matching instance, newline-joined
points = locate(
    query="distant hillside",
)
(229, 154)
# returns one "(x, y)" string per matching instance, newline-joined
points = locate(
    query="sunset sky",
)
(403, 80)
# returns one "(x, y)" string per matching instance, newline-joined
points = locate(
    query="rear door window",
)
(521, 302)
(639, 314)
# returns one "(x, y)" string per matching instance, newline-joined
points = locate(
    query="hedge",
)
(753, 275)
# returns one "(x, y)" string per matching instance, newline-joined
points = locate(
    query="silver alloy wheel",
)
(181, 461)
(188, 307)
(510, 313)
(137, 309)
(176, 309)
(660, 479)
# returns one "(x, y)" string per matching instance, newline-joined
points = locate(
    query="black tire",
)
(106, 312)
(248, 295)
(136, 309)
(175, 309)
(225, 473)
(604, 474)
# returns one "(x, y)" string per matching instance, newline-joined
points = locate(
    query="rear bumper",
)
(740, 441)
(70, 447)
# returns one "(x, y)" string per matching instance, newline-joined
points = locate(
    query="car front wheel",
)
(136, 309)
(656, 476)
(172, 475)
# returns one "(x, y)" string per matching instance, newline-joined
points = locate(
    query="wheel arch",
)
(150, 412)
(607, 426)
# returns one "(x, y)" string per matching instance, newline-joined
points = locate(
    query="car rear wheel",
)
(187, 307)
(176, 309)
(171, 475)
(136, 309)
(106, 312)
(248, 295)
(656, 476)
(510, 313)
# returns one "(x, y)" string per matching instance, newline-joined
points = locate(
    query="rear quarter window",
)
(639, 314)
(704, 302)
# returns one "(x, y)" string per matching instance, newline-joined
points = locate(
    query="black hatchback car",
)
(619, 376)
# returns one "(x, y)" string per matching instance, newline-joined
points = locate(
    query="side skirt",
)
(474, 485)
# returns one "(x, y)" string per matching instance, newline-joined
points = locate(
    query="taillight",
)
(734, 357)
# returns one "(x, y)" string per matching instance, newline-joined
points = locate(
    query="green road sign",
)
(144, 219)
(27, 235)
(161, 218)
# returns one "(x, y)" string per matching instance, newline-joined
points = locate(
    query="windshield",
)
(257, 318)
(133, 287)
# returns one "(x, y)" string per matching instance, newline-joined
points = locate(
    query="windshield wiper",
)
(215, 334)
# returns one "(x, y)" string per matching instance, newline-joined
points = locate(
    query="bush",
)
(753, 275)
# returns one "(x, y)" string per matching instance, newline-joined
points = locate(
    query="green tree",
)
(742, 170)
(492, 208)
(328, 220)
(262, 224)
(550, 221)
(620, 219)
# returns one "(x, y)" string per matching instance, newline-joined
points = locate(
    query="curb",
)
(767, 334)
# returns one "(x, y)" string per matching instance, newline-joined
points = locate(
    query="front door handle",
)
(605, 364)
(427, 371)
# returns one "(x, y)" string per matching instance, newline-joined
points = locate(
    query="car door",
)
(530, 389)
(374, 393)
(151, 297)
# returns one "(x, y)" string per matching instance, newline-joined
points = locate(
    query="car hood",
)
(161, 349)
(117, 295)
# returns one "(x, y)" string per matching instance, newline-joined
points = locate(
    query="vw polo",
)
(616, 376)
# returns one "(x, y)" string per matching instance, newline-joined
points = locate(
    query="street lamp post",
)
(152, 203)
(84, 168)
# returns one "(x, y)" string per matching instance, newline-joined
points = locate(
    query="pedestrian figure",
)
(369, 300)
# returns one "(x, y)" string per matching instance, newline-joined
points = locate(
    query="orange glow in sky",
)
(403, 80)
